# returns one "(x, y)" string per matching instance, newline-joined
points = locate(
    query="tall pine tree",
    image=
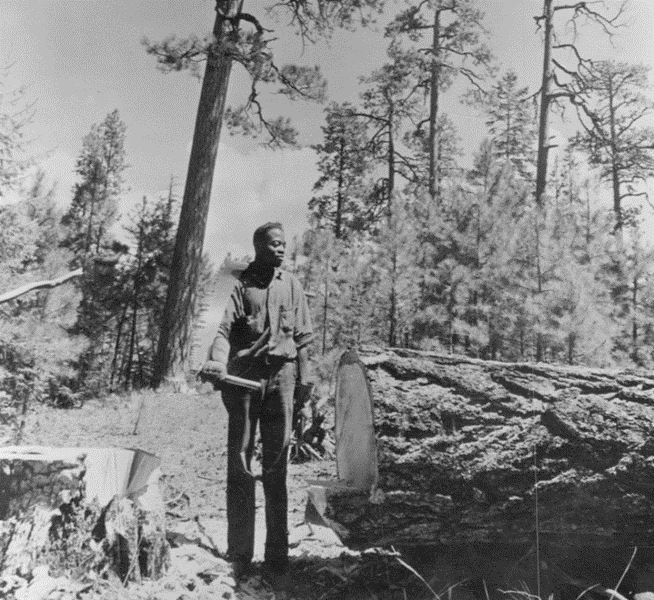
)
(509, 114)
(340, 202)
(100, 168)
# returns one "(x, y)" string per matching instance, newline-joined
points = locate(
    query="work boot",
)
(278, 579)
(240, 569)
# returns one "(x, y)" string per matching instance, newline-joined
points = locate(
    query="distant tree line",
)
(408, 247)
(514, 255)
(98, 333)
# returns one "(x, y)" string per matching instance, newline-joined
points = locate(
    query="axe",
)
(255, 351)
(249, 384)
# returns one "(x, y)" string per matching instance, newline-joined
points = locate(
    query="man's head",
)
(269, 244)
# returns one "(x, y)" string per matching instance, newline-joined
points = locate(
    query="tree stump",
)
(81, 505)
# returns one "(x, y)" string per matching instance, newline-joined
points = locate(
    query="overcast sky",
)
(82, 58)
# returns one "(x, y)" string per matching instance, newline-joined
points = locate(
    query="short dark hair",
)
(259, 236)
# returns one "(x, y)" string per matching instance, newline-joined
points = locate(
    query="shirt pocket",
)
(254, 325)
(285, 321)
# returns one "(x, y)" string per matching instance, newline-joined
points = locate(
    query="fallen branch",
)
(39, 285)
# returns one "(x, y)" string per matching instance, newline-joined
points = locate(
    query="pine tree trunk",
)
(543, 127)
(539, 283)
(392, 311)
(434, 82)
(635, 351)
(392, 222)
(176, 327)
(114, 369)
(338, 227)
(325, 309)
(615, 174)
(136, 291)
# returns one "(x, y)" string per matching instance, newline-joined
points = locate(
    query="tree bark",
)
(543, 126)
(470, 449)
(325, 308)
(128, 382)
(338, 231)
(392, 224)
(176, 328)
(539, 282)
(434, 82)
(615, 172)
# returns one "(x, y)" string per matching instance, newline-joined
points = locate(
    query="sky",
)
(80, 59)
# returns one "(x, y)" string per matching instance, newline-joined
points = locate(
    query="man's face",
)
(271, 251)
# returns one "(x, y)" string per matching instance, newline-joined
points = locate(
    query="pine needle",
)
(614, 593)
(592, 587)
(412, 570)
(520, 593)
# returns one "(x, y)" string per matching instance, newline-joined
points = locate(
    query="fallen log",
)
(81, 508)
(478, 452)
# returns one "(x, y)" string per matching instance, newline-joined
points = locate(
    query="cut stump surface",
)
(43, 491)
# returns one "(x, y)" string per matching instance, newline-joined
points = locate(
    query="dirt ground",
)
(188, 433)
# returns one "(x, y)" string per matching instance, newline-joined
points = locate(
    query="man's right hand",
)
(213, 370)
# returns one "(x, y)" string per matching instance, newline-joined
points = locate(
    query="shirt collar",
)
(251, 274)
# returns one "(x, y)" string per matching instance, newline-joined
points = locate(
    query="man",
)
(263, 336)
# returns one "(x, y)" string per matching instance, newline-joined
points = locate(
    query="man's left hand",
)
(301, 408)
(303, 391)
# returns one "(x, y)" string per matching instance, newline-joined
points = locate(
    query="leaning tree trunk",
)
(174, 341)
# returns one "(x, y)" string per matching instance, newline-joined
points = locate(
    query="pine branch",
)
(304, 82)
(248, 18)
(318, 18)
(173, 54)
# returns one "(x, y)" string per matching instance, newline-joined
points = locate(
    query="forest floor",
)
(188, 433)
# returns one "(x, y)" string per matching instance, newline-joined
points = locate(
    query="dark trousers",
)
(273, 411)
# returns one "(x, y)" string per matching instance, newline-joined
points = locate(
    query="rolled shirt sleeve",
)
(220, 347)
(303, 331)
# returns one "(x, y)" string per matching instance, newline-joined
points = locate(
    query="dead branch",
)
(248, 18)
(39, 285)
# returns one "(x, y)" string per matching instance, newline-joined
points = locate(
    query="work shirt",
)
(253, 307)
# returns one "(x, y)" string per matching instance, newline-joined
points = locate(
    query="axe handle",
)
(239, 381)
